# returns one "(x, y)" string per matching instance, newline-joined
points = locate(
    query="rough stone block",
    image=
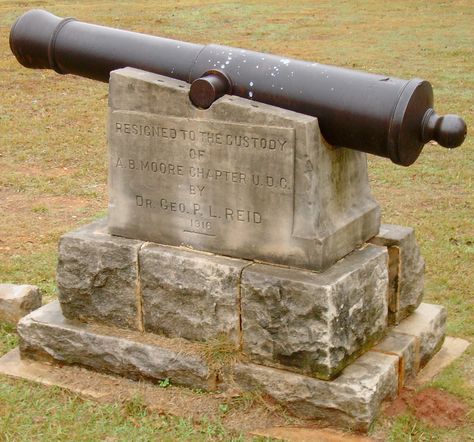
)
(415, 340)
(17, 301)
(406, 270)
(352, 400)
(97, 277)
(315, 323)
(47, 334)
(428, 325)
(407, 349)
(240, 179)
(190, 294)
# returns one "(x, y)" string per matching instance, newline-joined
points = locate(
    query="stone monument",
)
(238, 224)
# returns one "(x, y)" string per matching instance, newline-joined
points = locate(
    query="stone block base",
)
(406, 269)
(311, 323)
(351, 400)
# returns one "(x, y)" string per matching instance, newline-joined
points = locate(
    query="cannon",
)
(380, 115)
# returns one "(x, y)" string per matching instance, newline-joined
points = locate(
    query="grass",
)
(53, 167)
(219, 353)
(35, 413)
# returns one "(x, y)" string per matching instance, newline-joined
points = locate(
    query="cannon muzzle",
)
(381, 115)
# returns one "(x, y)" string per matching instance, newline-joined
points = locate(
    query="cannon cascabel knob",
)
(448, 131)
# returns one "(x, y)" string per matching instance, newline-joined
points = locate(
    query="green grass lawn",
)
(53, 172)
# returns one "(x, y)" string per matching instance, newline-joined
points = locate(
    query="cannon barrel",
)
(381, 115)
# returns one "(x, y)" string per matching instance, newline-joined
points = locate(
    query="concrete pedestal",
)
(241, 179)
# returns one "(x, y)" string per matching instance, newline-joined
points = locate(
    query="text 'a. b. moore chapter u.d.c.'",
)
(239, 179)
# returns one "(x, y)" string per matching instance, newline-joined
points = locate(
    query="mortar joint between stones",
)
(239, 307)
(401, 366)
(138, 291)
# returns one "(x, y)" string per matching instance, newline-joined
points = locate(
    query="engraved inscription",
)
(196, 172)
(203, 183)
(204, 137)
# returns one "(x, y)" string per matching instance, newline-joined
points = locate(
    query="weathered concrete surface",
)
(97, 277)
(241, 178)
(407, 269)
(428, 324)
(352, 400)
(189, 294)
(315, 323)
(17, 301)
(46, 334)
(12, 364)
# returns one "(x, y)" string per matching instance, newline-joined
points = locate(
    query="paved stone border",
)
(416, 340)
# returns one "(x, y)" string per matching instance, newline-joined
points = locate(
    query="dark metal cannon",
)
(381, 115)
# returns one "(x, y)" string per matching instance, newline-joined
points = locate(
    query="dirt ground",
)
(432, 406)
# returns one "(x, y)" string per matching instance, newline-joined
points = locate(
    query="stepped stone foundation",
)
(353, 399)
